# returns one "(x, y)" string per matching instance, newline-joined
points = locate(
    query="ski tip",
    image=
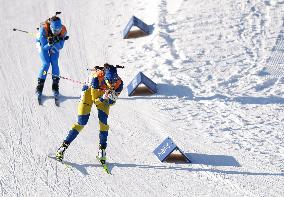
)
(60, 161)
(56, 159)
(56, 100)
(107, 170)
(53, 157)
(39, 98)
(105, 166)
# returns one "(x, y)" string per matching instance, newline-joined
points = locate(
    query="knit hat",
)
(55, 25)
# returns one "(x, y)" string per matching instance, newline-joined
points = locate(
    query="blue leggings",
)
(46, 60)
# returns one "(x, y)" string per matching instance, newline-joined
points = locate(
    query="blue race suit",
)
(49, 54)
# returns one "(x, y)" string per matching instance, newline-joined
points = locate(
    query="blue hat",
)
(55, 25)
(111, 74)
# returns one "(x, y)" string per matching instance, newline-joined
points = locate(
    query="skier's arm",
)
(59, 45)
(110, 97)
(42, 40)
(94, 84)
(117, 93)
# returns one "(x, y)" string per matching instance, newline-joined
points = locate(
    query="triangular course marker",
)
(134, 21)
(164, 150)
(140, 78)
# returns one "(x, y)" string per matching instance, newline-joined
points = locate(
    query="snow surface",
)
(219, 68)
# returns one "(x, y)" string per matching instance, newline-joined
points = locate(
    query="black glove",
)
(50, 40)
(53, 39)
(56, 39)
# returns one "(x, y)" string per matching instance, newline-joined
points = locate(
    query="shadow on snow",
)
(62, 98)
(167, 91)
(208, 160)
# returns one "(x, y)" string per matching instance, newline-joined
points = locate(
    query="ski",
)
(104, 165)
(39, 99)
(56, 99)
(60, 161)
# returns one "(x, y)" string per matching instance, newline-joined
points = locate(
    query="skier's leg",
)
(54, 63)
(45, 59)
(55, 72)
(103, 112)
(55, 85)
(40, 85)
(84, 110)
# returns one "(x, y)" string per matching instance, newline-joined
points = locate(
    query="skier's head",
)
(55, 25)
(111, 75)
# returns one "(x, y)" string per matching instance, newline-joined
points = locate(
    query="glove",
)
(112, 95)
(105, 96)
(56, 39)
(50, 40)
(102, 100)
(53, 39)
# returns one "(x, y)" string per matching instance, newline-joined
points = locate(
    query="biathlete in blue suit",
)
(50, 40)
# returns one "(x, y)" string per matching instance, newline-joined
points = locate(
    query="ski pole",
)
(30, 33)
(100, 68)
(61, 77)
(34, 34)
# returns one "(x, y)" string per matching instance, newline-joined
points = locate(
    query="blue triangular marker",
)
(134, 21)
(140, 78)
(164, 150)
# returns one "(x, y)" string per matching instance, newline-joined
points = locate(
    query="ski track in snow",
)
(219, 120)
(218, 69)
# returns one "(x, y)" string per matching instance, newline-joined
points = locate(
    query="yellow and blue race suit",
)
(93, 94)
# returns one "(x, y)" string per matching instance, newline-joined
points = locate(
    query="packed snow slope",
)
(219, 69)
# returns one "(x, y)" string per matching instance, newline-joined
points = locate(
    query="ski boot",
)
(55, 89)
(60, 152)
(39, 89)
(102, 155)
(55, 84)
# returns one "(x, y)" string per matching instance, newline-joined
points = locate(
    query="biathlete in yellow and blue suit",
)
(103, 89)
